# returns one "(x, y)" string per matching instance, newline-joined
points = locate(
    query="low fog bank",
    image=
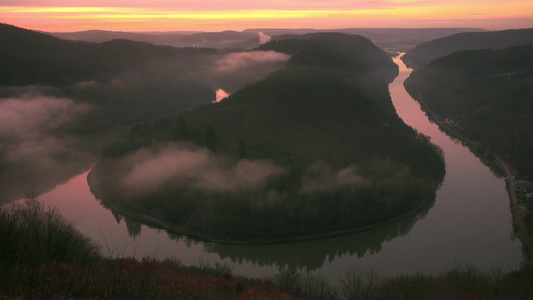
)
(30, 125)
(220, 196)
(253, 59)
(35, 153)
(166, 88)
(186, 166)
(236, 70)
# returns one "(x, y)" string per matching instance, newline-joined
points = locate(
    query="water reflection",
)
(33, 176)
(310, 255)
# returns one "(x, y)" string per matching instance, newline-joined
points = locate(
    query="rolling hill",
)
(426, 52)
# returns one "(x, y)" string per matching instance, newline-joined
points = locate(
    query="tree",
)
(181, 131)
(210, 138)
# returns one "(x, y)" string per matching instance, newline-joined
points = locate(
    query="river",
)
(470, 223)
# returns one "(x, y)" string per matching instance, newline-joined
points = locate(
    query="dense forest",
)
(424, 53)
(313, 148)
(488, 93)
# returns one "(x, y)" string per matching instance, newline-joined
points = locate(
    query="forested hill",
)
(426, 52)
(489, 93)
(311, 149)
(333, 89)
(121, 80)
(350, 52)
(30, 57)
(350, 57)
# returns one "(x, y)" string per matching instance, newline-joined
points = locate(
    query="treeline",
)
(488, 93)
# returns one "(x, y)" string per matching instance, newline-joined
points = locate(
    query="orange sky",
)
(216, 15)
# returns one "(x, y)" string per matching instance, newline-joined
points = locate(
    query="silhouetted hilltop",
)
(339, 50)
(488, 93)
(426, 52)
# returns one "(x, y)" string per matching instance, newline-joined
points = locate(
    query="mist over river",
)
(470, 223)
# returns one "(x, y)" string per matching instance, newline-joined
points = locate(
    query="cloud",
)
(264, 38)
(180, 165)
(240, 60)
(28, 125)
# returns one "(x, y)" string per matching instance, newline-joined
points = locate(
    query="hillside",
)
(98, 74)
(312, 149)
(426, 52)
(488, 93)
(30, 57)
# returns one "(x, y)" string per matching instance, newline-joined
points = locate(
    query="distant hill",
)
(399, 39)
(426, 52)
(99, 36)
(27, 53)
(489, 93)
(218, 40)
(156, 77)
(311, 149)
(393, 39)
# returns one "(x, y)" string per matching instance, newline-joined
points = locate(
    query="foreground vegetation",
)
(44, 257)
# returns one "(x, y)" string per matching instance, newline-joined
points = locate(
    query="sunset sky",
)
(217, 15)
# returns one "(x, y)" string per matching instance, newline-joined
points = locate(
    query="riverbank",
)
(494, 161)
(151, 221)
